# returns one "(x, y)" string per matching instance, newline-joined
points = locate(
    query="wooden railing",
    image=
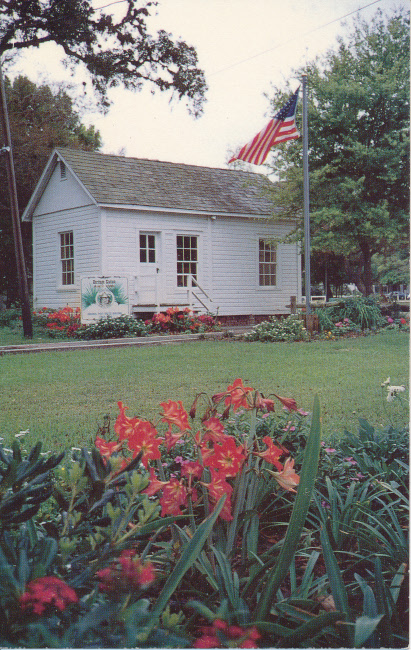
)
(199, 294)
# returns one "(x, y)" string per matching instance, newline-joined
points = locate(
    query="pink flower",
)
(329, 450)
(389, 319)
(301, 412)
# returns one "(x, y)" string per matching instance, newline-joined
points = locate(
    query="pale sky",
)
(243, 46)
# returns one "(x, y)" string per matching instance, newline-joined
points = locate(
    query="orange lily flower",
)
(235, 395)
(272, 453)
(227, 457)
(288, 402)
(144, 438)
(174, 413)
(174, 496)
(287, 478)
(124, 426)
(107, 448)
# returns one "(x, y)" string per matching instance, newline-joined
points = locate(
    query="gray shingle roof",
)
(133, 181)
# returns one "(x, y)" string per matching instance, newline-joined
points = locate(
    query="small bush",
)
(9, 317)
(359, 310)
(177, 321)
(285, 329)
(112, 328)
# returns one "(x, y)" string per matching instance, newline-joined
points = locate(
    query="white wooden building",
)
(183, 235)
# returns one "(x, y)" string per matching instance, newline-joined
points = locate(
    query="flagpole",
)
(307, 243)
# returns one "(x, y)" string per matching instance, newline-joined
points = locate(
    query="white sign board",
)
(103, 297)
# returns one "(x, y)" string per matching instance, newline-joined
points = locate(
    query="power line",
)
(290, 40)
(116, 2)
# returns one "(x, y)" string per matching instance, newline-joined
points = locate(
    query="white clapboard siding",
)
(63, 191)
(106, 226)
(235, 268)
(84, 222)
(122, 229)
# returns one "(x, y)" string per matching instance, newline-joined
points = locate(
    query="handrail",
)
(190, 293)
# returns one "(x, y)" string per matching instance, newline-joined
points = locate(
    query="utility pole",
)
(15, 217)
(307, 243)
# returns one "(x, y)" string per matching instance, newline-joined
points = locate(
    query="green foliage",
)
(9, 317)
(112, 328)
(112, 51)
(26, 482)
(290, 328)
(365, 313)
(359, 142)
(259, 579)
(41, 117)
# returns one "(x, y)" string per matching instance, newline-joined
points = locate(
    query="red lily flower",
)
(227, 457)
(174, 413)
(174, 496)
(144, 438)
(287, 478)
(214, 430)
(238, 395)
(193, 469)
(107, 448)
(171, 439)
(155, 485)
(262, 403)
(216, 489)
(272, 453)
(235, 395)
(288, 402)
(124, 426)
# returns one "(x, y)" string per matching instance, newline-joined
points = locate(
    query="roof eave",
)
(202, 213)
(40, 187)
(43, 181)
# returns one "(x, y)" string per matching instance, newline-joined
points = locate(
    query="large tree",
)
(358, 120)
(113, 51)
(41, 118)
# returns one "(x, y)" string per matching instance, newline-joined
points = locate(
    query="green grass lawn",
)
(61, 397)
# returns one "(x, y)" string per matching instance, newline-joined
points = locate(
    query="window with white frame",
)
(187, 258)
(147, 248)
(67, 257)
(267, 263)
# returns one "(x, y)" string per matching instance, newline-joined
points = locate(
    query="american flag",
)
(280, 129)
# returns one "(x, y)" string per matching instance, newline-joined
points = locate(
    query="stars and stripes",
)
(280, 129)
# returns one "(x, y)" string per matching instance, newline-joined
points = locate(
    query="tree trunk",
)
(366, 258)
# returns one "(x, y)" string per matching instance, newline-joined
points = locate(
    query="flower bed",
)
(66, 323)
(228, 525)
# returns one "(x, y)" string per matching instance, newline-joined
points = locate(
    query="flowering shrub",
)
(363, 312)
(57, 323)
(46, 593)
(204, 528)
(274, 329)
(176, 320)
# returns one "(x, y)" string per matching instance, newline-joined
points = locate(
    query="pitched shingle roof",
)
(133, 181)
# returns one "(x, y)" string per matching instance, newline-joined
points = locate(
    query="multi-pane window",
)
(67, 258)
(147, 248)
(187, 258)
(267, 263)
